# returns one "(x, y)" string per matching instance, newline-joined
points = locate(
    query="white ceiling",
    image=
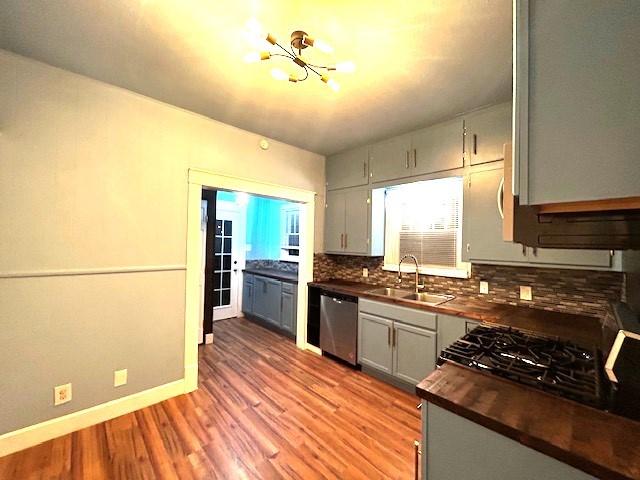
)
(418, 62)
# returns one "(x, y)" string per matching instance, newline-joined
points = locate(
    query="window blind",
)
(425, 219)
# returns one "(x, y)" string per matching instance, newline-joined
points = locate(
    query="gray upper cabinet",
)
(348, 169)
(482, 224)
(437, 148)
(374, 342)
(482, 231)
(334, 222)
(414, 353)
(354, 221)
(486, 132)
(389, 160)
(356, 232)
(577, 103)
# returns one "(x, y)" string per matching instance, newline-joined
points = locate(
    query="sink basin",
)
(422, 297)
(390, 292)
(429, 298)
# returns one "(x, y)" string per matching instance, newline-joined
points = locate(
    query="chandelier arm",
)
(318, 66)
(306, 71)
(314, 70)
(285, 51)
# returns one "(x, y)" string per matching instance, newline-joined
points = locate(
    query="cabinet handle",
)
(415, 158)
(475, 144)
(389, 336)
(500, 198)
(416, 459)
(364, 169)
(345, 240)
(342, 240)
(393, 337)
(406, 161)
(524, 249)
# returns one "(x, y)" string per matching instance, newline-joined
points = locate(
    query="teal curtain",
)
(263, 228)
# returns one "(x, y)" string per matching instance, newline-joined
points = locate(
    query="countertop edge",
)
(580, 462)
(291, 277)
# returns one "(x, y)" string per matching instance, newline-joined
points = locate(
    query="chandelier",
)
(300, 40)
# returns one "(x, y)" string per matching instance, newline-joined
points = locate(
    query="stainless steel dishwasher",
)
(339, 326)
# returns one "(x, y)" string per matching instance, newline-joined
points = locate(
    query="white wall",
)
(95, 177)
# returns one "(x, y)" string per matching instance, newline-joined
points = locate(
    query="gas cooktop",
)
(549, 364)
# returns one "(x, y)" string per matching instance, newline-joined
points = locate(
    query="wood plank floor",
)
(264, 409)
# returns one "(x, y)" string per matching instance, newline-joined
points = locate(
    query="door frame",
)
(199, 178)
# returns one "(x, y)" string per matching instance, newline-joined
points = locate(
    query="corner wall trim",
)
(34, 434)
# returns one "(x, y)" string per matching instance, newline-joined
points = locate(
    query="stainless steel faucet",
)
(418, 285)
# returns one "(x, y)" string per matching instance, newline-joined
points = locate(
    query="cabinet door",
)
(482, 223)
(348, 169)
(450, 329)
(273, 301)
(288, 312)
(374, 342)
(486, 132)
(334, 226)
(247, 295)
(389, 160)
(356, 221)
(414, 355)
(259, 296)
(560, 256)
(583, 103)
(437, 148)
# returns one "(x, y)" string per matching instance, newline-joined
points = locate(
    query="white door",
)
(203, 233)
(228, 261)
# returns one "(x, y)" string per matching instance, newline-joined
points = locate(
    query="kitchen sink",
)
(390, 292)
(429, 298)
(422, 297)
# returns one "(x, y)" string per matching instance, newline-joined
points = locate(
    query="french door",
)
(228, 260)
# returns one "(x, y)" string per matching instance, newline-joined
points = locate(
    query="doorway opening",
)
(221, 245)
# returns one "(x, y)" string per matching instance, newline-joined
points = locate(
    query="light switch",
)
(525, 293)
(484, 287)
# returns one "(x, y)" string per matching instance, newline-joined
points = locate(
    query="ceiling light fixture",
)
(299, 41)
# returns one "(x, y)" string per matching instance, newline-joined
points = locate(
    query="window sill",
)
(432, 271)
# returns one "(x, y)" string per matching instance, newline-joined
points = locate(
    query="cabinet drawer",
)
(288, 287)
(410, 316)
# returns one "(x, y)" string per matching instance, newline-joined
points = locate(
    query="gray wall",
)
(95, 177)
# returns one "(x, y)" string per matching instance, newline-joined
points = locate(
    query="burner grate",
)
(549, 364)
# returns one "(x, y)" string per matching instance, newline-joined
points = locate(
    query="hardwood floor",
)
(264, 409)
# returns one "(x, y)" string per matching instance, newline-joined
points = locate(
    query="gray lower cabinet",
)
(288, 308)
(455, 448)
(414, 352)
(271, 300)
(482, 231)
(374, 342)
(247, 293)
(451, 328)
(396, 341)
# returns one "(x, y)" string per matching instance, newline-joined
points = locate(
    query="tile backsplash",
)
(272, 265)
(586, 292)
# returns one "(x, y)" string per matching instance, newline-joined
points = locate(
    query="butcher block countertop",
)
(604, 445)
(581, 329)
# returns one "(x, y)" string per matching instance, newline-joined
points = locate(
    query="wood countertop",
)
(599, 443)
(581, 329)
(594, 441)
(274, 273)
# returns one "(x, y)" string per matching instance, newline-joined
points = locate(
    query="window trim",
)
(284, 235)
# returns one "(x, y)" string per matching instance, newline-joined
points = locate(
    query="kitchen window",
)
(425, 219)
(290, 250)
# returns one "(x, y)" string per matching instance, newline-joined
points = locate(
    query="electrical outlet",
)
(62, 394)
(484, 287)
(525, 293)
(365, 272)
(120, 377)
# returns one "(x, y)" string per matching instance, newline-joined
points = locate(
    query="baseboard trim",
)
(32, 435)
